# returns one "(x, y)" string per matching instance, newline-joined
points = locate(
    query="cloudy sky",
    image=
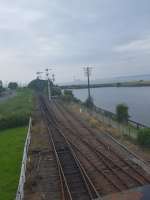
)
(112, 36)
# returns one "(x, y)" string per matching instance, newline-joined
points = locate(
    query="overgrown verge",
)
(68, 97)
(11, 149)
(144, 137)
(15, 112)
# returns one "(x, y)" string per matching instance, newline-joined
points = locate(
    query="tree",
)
(68, 95)
(41, 86)
(38, 85)
(56, 91)
(122, 113)
(13, 85)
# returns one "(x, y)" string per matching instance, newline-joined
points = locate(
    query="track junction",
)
(89, 166)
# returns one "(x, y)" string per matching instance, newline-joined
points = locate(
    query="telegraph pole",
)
(48, 84)
(87, 71)
(53, 78)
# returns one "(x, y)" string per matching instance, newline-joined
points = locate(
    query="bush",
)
(144, 137)
(122, 113)
(14, 120)
(56, 91)
(68, 96)
(13, 85)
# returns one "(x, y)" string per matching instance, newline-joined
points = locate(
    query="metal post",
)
(49, 90)
(87, 71)
(89, 93)
(48, 84)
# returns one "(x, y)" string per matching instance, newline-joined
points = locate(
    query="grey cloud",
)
(68, 34)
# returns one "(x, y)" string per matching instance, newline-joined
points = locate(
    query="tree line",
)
(11, 86)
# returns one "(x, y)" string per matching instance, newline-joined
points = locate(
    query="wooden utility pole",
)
(53, 78)
(87, 71)
(48, 82)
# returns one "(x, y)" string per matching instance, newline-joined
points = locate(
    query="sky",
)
(111, 36)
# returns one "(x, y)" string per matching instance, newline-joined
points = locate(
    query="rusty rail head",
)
(90, 186)
(63, 182)
(133, 168)
(88, 183)
(61, 174)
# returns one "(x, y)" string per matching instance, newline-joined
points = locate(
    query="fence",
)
(130, 129)
(20, 191)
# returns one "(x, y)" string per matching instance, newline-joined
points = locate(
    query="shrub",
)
(144, 137)
(56, 91)
(14, 120)
(122, 113)
(68, 95)
(13, 85)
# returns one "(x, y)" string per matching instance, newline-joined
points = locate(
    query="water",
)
(137, 99)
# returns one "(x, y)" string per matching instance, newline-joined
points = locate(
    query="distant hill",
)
(145, 77)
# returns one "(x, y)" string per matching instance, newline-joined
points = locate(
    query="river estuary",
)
(137, 99)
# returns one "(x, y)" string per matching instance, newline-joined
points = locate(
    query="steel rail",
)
(106, 146)
(81, 172)
(97, 152)
(85, 176)
(62, 178)
(90, 188)
(107, 164)
(118, 187)
(112, 182)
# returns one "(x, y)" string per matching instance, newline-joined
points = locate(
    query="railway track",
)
(75, 184)
(124, 174)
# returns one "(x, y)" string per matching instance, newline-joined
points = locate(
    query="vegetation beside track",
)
(15, 112)
(144, 137)
(11, 149)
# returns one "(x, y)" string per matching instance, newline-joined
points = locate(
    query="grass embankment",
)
(15, 112)
(14, 116)
(11, 149)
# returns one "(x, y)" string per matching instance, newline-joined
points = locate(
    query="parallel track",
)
(129, 175)
(74, 181)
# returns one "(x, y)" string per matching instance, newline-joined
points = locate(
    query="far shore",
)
(140, 83)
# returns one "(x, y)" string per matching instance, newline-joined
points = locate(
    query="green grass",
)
(16, 111)
(20, 103)
(11, 150)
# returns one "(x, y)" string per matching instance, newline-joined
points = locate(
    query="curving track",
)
(103, 164)
(89, 167)
(74, 181)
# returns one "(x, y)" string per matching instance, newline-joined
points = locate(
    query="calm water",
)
(137, 99)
